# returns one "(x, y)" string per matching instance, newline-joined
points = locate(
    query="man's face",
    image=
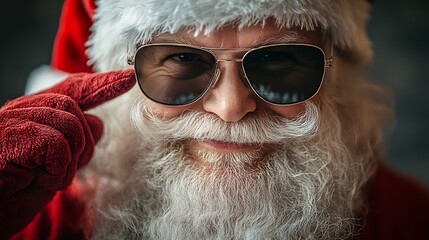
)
(230, 165)
(231, 99)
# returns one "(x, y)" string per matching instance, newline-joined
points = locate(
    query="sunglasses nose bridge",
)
(243, 76)
(238, 60)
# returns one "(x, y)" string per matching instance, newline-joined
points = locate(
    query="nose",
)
(230, 97)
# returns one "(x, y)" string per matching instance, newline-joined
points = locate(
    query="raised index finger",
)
(92, 89)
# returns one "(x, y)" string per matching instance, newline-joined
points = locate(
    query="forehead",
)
(249, 36)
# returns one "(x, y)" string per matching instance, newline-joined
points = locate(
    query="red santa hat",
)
(69, 53)
(102, 36)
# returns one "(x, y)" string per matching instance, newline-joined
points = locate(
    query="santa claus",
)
(206, 119)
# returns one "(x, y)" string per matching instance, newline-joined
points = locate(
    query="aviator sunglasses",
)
(280, 74)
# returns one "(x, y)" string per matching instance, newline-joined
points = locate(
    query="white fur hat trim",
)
(121, 24)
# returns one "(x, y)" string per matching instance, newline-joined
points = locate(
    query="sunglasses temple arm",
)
(330, 61)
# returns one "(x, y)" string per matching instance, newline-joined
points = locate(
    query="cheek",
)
(168, 112)
(288, 112)
(165, 112)
(291, 112)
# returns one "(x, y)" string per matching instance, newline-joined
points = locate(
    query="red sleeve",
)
(63, 218)
(73, 32)
(398, 208)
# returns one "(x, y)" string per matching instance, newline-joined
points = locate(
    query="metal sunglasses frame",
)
(327, 64)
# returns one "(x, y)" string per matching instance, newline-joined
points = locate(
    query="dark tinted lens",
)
(174, 75)
(285, 74)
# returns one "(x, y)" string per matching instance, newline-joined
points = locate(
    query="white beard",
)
(308, 187)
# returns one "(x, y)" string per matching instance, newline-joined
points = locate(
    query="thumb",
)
(96, 126)
(92, 89)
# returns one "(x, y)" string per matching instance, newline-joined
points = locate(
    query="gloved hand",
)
(45, 138)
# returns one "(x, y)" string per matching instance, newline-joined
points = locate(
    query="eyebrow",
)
(290, 37)
(173, 39)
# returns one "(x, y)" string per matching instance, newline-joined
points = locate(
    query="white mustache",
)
(262, 127)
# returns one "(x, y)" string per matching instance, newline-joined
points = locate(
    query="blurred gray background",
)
(399, 31)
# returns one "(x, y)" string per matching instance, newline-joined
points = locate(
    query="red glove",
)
(45, 138)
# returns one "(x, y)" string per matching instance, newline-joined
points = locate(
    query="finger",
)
(38, 148)
(96, 129)
(67, 123)
(96, 126)
(91, 90)
(61, 113)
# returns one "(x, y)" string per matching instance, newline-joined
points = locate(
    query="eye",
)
(276, 56)
(271, 57)
(185, 57)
